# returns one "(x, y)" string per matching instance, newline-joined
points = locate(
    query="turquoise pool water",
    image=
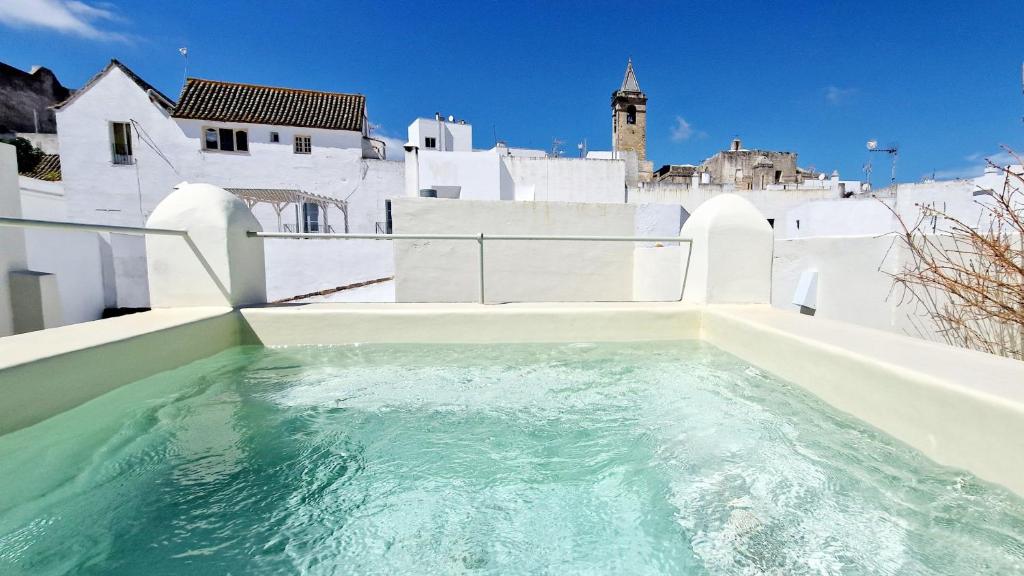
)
(670, 458)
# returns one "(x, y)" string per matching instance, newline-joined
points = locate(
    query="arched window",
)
(631, 115)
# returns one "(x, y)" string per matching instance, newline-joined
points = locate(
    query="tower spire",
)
(629, 83)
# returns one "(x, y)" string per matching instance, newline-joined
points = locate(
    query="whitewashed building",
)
(440, 160)
(303, 160)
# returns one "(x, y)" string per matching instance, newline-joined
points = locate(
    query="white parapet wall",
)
(12, 240)
(515, 271)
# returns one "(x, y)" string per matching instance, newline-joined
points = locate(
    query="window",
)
(226, 140)
(121, 143)
(778, 176)
(275, 137)
(771, 222)
(310, 217)
(430, 142)
(303, 145)
(631, 115)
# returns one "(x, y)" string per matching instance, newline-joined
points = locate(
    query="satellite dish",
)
(872, 144)
(451, 118)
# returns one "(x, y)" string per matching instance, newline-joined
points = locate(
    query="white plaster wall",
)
(867, 215)
(74, 257)
(296, 267)
(12, 240)
(659, 219)
(476, 175)
(773, 204)
(844, 217)
(568, 179)
(447, 271)
(851, 288)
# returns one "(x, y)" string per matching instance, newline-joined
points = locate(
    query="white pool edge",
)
(960, 408)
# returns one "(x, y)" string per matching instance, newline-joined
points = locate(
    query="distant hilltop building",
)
(740, 169)
(26, 98)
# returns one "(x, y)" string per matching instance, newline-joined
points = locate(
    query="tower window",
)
(631, 115)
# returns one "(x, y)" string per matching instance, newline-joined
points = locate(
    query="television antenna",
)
(556, 147)
(893, 150)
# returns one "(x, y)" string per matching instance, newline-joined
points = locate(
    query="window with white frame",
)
(430, 142)
(225, 140)
(303, 145)
(121, 143)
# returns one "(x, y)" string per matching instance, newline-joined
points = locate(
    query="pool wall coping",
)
(959, 407)
(47, 372)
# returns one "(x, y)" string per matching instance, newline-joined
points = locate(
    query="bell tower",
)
(629, 122)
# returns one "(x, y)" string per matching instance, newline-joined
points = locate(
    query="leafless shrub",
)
(969, 279)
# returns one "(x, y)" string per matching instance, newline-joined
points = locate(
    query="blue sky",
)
(941, 79)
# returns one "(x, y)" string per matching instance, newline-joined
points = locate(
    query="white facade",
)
(504, 173)
(167, 151)
(441, 134)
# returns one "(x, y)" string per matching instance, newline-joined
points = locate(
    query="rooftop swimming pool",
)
(626, 458)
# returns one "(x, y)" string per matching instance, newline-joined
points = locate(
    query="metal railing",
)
(480, 239)
(52, 225)
(134, 230)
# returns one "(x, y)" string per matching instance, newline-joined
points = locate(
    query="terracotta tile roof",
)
(251, 104)
(47, 169)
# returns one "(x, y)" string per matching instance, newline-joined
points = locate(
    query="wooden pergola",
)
(280, 198)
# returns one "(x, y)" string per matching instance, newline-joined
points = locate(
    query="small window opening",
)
(275, 137)
(303, 145)
(429, 142)
(121, 143)
(310, 217)
(631, 115)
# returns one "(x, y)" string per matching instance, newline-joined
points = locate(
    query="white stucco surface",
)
(731, 257)
(924, 394)
(567, 179)
(851, 286)
(74, 257)
(658, 273)
(297, 267)
(217, 264)
(773, 204)
(515, 271)
(47, 372)
(12, 240)
(959, 407)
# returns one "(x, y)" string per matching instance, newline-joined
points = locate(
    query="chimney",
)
(735, 144)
